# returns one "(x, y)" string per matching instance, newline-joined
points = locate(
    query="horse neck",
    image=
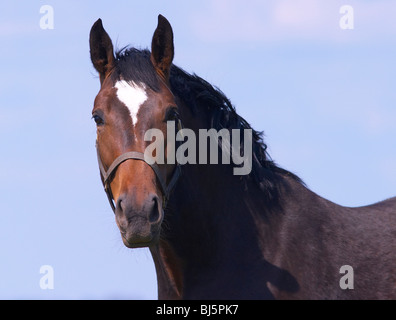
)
(212, 224)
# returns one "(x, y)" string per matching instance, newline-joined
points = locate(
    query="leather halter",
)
(134, 155)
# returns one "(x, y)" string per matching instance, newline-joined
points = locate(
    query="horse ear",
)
(162, 49)
(101, 49)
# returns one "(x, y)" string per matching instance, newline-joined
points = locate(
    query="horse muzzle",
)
(139, 225)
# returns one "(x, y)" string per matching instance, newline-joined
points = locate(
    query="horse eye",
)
(171, 114)
(98, 120)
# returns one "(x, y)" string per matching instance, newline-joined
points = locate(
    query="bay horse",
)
(213, 234)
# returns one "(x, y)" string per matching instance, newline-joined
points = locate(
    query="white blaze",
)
(132, 95)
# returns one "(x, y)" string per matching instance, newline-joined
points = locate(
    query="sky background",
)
(325, 98)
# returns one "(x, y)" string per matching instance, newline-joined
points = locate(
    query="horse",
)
(213, 234)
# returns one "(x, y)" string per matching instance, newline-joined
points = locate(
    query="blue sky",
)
(325, 98)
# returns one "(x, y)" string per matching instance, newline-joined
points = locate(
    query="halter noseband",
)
(166, 189)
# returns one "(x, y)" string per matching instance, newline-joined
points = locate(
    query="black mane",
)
(135, 65)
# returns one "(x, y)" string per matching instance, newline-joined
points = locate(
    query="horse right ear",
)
(101, 49)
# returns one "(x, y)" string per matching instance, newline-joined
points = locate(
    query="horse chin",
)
(139, 241)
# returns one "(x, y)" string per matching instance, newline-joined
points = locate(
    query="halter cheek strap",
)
(134, 155)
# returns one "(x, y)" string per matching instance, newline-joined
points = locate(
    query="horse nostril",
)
(119, 204)
(155, 214)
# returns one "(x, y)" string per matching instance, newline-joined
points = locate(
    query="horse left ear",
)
(162, 49)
